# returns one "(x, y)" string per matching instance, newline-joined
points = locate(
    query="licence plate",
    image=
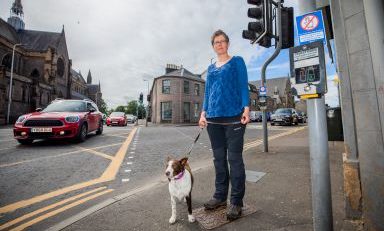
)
(114, 122)
(41, 129)
(278, 120)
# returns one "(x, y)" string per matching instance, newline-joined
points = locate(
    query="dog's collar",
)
(179, 176)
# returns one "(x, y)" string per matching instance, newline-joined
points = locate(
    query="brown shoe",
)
(214, 204)
(234, 212)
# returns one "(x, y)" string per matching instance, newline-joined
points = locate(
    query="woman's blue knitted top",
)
(226, 89)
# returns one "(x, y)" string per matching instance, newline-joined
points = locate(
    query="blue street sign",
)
(310, 27)
(263, 91)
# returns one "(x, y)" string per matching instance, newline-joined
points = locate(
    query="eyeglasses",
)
(219, 42)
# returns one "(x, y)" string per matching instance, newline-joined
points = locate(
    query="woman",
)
(226, 113)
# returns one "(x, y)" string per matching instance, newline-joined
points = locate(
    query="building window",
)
(23, 94)
(166, 110)
(166, 86)
(253, 102)
(187, 111)
(197, 89)
(186, 87)
(196, 110)
(35, 73)
(60, 67)
(7, 61)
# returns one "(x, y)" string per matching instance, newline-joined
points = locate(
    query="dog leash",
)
(201, 129)
(194, 142)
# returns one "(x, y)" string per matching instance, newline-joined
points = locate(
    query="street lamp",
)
(10, 81)
(147, 108)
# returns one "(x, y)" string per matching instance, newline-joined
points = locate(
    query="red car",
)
(117, 118)
(60, 119)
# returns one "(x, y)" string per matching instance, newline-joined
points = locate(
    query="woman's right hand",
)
(202, 121)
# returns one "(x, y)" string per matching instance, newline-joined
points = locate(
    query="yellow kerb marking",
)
(62, 209)
(34, 213)
(260, 141)
(309, 96)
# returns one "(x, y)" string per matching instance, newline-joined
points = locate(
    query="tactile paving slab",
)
(211, 219)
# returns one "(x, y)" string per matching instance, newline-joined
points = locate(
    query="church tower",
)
(89, 77)
(16, 16)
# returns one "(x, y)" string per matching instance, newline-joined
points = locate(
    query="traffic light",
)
(141, 97)
(287, 25)
(261, 29)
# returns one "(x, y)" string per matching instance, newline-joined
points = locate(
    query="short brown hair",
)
(218, 33)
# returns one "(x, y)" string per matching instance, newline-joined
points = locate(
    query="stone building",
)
(278, 93)
(42, 69)
(177, 96)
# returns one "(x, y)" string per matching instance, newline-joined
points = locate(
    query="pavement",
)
(282, 197)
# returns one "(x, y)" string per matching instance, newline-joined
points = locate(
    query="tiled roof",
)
(271, 84)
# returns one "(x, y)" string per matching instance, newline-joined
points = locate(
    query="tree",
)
(132, 109)
(103, 107)
(120, 108)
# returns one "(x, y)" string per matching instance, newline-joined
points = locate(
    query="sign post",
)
(309, 82)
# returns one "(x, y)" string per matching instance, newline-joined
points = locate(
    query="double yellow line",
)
(256, 143)
(108, 175)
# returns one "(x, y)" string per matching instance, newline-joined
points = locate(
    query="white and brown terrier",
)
(180, 185)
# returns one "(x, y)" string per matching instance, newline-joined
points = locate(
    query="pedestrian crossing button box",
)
(308, 74)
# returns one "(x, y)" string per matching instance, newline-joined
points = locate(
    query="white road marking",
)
(124, 180)
(130, 157)
(131, 152)
(127, 170)
(129, 163)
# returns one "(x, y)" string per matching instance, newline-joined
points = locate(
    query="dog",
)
(180, 185)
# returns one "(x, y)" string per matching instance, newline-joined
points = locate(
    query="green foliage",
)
(103, 107)
(132, 108)
(120, 108)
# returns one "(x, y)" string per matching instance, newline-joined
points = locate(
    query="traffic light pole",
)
(264, 68)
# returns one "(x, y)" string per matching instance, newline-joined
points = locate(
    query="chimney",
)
(171, 67)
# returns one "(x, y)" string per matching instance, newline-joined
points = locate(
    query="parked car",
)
(255, 116)
(301, 117)
(284, 116)
(60, 119)
(131, 118)
(117, 118)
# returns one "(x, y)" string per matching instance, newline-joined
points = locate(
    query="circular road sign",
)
(309, 22)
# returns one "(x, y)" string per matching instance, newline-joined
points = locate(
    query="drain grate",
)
(216, 218)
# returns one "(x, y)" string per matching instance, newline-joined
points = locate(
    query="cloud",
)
(124, 41)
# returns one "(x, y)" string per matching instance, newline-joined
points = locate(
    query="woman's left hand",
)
(245, 117)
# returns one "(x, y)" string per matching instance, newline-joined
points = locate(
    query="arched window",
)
(35, 73)
(60, 67)
(7, 61)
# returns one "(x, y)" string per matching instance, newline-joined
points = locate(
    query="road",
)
(49, 181)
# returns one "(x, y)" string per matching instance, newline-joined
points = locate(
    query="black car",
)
(285, 116)
(301, 117)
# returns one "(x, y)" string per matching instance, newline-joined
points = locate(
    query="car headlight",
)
(21, 119)
(72, 119)
(287, 116)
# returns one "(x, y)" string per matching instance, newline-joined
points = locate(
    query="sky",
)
(124, 42)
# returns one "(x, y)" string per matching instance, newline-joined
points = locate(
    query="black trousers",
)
(227, 145)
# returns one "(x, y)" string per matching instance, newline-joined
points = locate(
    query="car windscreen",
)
(117, 114)
(66, 106)
(283, 111)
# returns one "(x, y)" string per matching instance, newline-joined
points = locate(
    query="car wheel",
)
(272, 124)
(82, 135)
(100, 129)
(25, 142)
